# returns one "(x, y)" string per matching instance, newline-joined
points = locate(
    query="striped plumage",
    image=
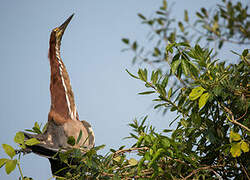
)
(63, 120)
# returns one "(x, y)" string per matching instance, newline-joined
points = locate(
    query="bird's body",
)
(63, 120)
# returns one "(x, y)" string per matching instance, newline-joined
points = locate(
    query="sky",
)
(106, 96)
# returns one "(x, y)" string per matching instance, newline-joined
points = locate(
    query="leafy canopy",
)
(210, 98)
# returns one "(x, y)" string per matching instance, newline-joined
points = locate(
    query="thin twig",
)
(233, 120)
(177, 160)
(242, 115)
(216, 37)
(245, 171)
(202, 168)
(145, 174)
(175, 74)
(129, 150)
(217, 175)
(19, 168)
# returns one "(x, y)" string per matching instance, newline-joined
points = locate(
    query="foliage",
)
(209, 96)
(11, 163)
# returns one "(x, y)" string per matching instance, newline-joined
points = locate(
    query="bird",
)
(63, 119)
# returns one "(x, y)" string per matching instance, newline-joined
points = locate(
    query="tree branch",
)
(211, 168)
(233, 120)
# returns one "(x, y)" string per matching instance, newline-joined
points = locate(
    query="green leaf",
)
(97, 148)
(170, 93)
(166, 142)
(171, 153)
(186, 16)
(193, 65)
(184, 123)
(79, 137)
(37, 125)
(71, 141)
(236, 150)
(141, 16)
(169, 47)
(157, 52)
(36, 128)
(245, 53)
(204, 11)
(167, 131)
(156, 156)
(117, 158)
(215, 26)
(19, 138)
(141, 162)
(27, 178)
(145, 73)
(132, 75)
(161, 90)
(165, 81)
(9, 150)
(181, 26)
(64, 157)
(132, 162)
(3, 161)
(32, 141)
(244, 146)
(142, 75)
(139, 142)
(185, 44)
(22, 146)
(29, 130)
(203, 100)
(185, 67)
(160, 13)
(112, 150)
(44, 127)
(199, 15)
(175, 65)
(196, 93)
(134, 46)
(146, 92)
(125, 40)
(234, 136)
(159, 105)
(116, 177)
(221, 44)
(154, 77)
(10, 166)
(164, 4)
(235, 52)
(147, 156)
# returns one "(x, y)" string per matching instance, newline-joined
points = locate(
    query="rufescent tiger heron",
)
(63, 120)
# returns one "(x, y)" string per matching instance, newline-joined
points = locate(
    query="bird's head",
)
(57, 33)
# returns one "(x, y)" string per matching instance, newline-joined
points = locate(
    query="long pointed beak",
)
(62, 28)
(65, 24)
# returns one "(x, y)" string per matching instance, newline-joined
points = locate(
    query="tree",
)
(209, 96)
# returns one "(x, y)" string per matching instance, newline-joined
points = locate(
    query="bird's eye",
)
(55, 29)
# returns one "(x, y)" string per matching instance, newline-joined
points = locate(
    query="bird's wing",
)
(42, 148)
(90, 136)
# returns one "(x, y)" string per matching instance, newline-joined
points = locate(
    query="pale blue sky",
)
(105, 94)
